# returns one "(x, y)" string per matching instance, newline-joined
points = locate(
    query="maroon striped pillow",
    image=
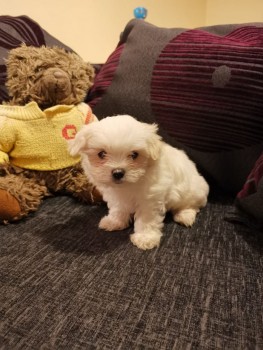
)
(17, 30)
(210, 82)
(252, 183)
(105, 76)
(202, 86)
(250, 198)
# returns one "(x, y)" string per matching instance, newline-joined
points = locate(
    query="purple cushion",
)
(14, 31)
(202, 86)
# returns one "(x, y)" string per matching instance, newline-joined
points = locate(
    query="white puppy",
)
(139, 176)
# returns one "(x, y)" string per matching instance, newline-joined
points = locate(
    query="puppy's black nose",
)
(118, 174)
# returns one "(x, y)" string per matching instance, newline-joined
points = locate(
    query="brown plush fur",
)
(30, 76)
(48, 76)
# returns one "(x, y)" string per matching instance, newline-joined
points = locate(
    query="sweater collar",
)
(32, 111)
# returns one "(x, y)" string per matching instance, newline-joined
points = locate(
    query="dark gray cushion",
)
(202, 86)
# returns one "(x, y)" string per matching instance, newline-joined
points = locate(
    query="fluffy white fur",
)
(139, 176)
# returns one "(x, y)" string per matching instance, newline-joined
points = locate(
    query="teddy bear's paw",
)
(147, 240)
(9, 207)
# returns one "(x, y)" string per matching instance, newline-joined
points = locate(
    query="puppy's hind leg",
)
(195, 199)
(185, 217)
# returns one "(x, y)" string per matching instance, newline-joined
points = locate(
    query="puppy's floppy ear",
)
(79, 143)
(154, 142)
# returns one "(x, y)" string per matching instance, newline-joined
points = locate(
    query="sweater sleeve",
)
(88, 116)
(7, 139)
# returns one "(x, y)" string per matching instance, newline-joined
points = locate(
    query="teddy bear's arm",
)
(88, 116)
(3, 157)
(7, 139)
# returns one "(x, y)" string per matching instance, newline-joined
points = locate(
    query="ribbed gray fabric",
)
(64, 284)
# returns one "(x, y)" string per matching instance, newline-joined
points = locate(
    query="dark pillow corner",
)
(249, 200)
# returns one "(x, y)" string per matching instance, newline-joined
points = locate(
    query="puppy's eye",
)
(134, 155)
(102, 154)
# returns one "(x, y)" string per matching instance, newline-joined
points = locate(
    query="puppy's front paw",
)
(185, 217)
(146, 240)
(109, 223)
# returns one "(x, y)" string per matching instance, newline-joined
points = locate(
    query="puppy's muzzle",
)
(118, 174)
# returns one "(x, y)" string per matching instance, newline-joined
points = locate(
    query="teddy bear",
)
(47, 87)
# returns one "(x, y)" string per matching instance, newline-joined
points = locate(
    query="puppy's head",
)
(117, 150)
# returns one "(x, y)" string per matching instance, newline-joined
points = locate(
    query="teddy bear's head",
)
(47, 75)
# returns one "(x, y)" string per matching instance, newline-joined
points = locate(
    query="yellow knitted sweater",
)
(34, 139)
